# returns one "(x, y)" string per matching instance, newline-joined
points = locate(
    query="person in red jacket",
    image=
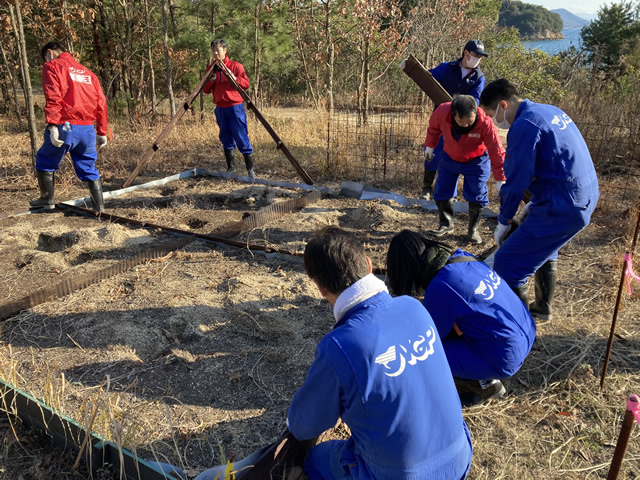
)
(470, 141)
(230, 113)
(74, 101)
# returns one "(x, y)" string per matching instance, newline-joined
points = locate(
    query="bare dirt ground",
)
(192, 358)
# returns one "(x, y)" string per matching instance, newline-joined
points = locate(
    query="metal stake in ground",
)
(617, 307)
(633, 409)
(279, 143)
(172, 123)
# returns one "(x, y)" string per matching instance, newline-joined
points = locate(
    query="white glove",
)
(499, 184)
(524, 212)
(501, 231)
(53, 136)
(403, 63)
(428, 154)
(101, 141)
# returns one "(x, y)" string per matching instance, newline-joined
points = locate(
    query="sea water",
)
(571, 38)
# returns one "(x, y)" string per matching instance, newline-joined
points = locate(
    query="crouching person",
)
(487, 331)
(383, 371)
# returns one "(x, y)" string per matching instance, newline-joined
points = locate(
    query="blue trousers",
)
(547, 228)
(232, 122)
(80, 142)
(432, 166)
(332, 460)
(476, 173)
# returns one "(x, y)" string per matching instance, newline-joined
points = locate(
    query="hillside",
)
(532, 21)
(569, 19)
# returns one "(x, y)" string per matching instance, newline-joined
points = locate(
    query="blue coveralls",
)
(80, 142)
(547, 155)
(476, 174)
(382, 369)
(495, 330)
(232, 122)
(449, 75)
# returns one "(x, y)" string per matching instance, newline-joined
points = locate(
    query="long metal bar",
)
(612, 331)
(185, 106)
(279, 143)
(66, 433)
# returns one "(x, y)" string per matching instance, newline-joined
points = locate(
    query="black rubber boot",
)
(523, 292)
(248, 161)
(229, 156)
(477, 392)
(427, 183)
(545, 286)
(47, 187)
(475, 214)
(95, 190)
(445, 215)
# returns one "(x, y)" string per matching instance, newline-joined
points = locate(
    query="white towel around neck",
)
(364, 288)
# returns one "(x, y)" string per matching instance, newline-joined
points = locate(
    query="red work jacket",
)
(224, 93)
(484, 136)
(73, 94)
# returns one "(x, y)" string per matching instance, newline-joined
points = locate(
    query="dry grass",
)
(554, 423)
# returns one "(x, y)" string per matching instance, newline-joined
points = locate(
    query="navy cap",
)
(477, 47)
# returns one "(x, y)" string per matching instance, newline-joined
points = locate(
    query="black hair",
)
(463, 106)
(218, 42)
(413, 260)
(496, 91)
(53, 45)
(335, 259)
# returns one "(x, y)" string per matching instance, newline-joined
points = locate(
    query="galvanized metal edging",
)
(66, 433)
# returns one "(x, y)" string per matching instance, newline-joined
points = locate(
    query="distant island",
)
(532, 21)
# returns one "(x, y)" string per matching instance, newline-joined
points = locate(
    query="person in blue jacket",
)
(547, 156)
(383, 371)
(487, 331)
(458, 77)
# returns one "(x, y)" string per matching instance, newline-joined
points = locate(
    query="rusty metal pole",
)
(633, 403)
(167, 129)
(617, 307)
(279, 143)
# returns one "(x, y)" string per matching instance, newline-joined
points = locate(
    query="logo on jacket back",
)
(487, 287)
(422, 348)
(77, 75)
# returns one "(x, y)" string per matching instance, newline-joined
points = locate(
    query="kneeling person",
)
(383, 370)
(487, 331)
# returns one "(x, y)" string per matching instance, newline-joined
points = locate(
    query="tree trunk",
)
(365, 77)
(303, 58)
(213, 18)
(256, 51)
(13, 84)
(67, 24)
(16, 23)
(150, 56)
(97, 46)
(167, 60)
(174, 30)
(331, 59)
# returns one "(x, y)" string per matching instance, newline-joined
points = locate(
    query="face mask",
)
(49, 57)
(462, 130)
(502, 124)
(472, 62)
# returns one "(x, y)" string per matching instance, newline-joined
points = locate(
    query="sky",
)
(574, 6)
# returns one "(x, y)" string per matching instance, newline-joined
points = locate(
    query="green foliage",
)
(536, 74)
(530, 20)
(612, 35)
